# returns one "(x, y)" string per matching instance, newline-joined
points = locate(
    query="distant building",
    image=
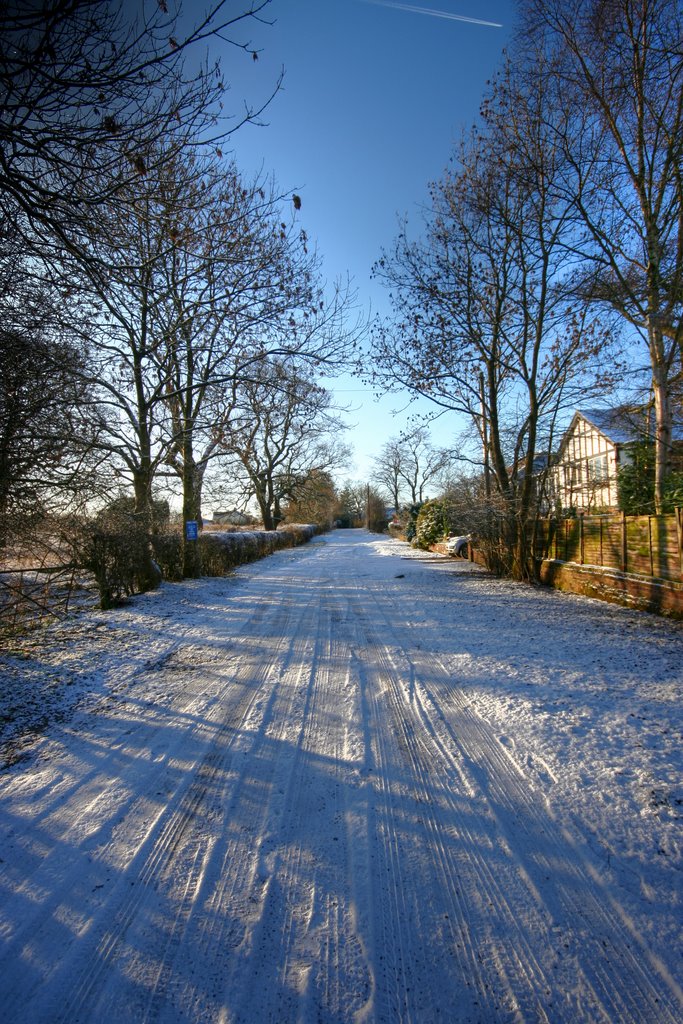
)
(232, 518)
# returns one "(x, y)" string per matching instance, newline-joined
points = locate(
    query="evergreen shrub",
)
(432, 524)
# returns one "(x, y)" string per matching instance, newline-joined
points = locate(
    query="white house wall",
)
(586, 476)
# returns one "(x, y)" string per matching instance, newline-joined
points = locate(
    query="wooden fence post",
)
(581, 539)
(679, 537)
(624, 544)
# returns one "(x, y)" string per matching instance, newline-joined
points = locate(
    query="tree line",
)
(551, 257)
(160, 312)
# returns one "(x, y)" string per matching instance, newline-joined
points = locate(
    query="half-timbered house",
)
(594, 447)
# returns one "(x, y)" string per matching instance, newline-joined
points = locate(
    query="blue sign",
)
(191, 529)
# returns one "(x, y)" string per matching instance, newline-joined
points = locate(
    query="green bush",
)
(637, 481)
(637, 484)
(432, 525)
(411, 522)
(673, 493)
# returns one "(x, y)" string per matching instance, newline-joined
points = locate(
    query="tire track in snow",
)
(146, 882)
(245, 879)
(185, 847)
(307, 957)
(116, 743)
(465, 885)
(235, 895)
(607, 949)
(540, 880)
(344, 840)
(101, 814)
(420, 923)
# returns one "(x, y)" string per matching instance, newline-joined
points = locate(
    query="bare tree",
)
(238, 285)
(387, 470)
(617, 70)
(283, 431)
(408, 463)
(235, 280)
(48, 423)
(83, 84)
(123, 288)
(195, 282)
(485, 326)
(421, 462)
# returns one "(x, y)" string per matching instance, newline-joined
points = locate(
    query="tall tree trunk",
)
(663, 416)
(524, 567)
(277, 512)
(263, 494)
(148, 574)
(192, 478)
(192, 512)
(266, 514)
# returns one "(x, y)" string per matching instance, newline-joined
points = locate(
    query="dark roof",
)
(540, 463)
(625, 424)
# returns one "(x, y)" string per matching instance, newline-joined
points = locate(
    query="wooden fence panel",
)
(647, 545)
(638, 546)
(667, 555)
(612, 547)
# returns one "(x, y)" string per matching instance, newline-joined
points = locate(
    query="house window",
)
(597, 469)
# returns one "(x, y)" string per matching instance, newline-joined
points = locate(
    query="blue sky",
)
(374, 95)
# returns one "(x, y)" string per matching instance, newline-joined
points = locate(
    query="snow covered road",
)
(352, 782)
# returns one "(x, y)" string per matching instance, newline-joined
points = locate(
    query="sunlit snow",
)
(351, 782)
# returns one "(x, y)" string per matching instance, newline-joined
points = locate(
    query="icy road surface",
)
(350, 783)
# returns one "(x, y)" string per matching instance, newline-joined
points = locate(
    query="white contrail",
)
(433, 13)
